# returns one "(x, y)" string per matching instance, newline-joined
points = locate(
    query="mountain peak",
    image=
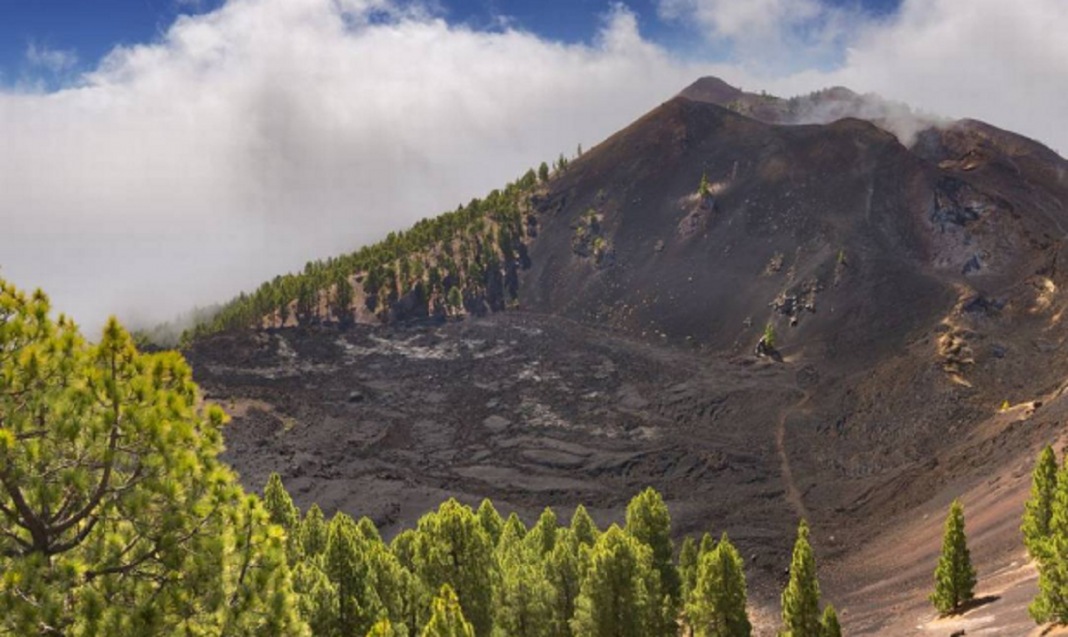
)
(711, 89)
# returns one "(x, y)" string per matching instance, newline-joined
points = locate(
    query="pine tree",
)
(284, 513)
(708, 544)
(770, 338)
(801, 599)
(383, 629)
(317, 597)
(688, 563)
(542, 538)
(648, 520)
(583, 526)
(704, 189)
(564, 571)
(831, 628)
(113, 464)
(1051, 604)
(447, 618)
(620, 595)
(454, 300)
(955, 576)
(543, 172)
(514, 524)
(280, 505)
(369, 532)
(529, 180)
(314, 532)
(491, 521)
(344, 295)
(417, 602)
(717, 605)
(403, 548)
(1039, 509)
(345, 566)
(524, 596)
(451, 548)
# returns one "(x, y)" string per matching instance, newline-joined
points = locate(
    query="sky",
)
(161, 154)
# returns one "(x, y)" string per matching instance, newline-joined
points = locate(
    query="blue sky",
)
(83, 31)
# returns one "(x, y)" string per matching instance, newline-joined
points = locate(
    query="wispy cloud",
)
(769, 35)
(54, 60)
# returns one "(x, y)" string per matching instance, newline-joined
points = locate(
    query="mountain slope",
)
(911, 275)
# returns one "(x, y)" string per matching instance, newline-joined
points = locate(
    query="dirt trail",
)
(793, 494)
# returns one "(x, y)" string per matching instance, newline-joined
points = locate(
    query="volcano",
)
(903, 270)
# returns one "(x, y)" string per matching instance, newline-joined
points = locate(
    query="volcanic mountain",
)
(907, 267)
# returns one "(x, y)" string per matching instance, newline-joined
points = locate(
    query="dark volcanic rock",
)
(913, 290)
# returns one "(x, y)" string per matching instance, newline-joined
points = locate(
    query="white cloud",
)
(54, 60)
(768, 35)
(1001, 62)
(270, 132)
(266, 133)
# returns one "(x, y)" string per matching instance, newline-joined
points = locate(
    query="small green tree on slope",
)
(801, 599)
(1052, 601)
(1038, 512)
(543, 172)
(955, 576)
(831, 627)
(717, 605)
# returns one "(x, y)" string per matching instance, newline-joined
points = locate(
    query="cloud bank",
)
(251, 139)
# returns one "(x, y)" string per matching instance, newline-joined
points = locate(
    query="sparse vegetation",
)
(561, 163)
(769, 337)
(477, 249)
(704, 189)
(474, 248)
(588, 239)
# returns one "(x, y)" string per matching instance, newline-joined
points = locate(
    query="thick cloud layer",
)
(270, 132)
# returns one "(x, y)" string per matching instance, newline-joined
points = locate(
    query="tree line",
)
(457, 262)
(466, 571)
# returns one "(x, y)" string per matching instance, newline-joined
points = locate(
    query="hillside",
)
(912, 281)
